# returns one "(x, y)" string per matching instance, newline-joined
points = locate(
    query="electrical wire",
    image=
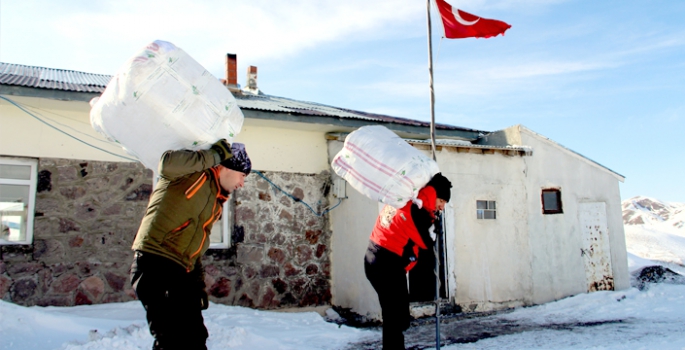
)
(295, 198)
(62, 131)
(36, 110)
(25, 110)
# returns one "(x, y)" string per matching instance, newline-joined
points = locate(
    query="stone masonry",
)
(87, 214)
(283, 259)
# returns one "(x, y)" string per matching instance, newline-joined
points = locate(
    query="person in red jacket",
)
(393, 250)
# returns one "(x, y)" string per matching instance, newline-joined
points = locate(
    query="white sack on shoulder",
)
(162, 99)
(382, 166)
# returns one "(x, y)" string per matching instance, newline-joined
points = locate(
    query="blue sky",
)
(604, 78)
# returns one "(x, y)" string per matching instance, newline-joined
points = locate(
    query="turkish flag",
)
(459, 24)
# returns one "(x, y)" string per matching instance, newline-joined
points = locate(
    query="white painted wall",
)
(25, 136)
(486, 270)
(272, 145)
(521, 258)
(285, 146)
(351, 223)
(490, 264)
(556, 240)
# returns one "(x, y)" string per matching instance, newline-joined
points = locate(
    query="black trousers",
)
(172, 299)
(385, 270)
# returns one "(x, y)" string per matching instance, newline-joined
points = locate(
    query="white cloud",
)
(258, 29)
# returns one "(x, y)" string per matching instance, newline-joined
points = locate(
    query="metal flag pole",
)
(432, 134)
(430, 78)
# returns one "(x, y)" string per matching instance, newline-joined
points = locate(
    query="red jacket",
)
(395, 227)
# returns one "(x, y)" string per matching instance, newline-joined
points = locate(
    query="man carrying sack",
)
(167, 273)
(393, 250)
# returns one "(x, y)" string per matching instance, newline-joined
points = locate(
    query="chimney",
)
(251, 83)
(232, 72)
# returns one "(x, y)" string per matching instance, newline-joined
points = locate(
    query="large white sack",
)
(382, 166)
(162, 99)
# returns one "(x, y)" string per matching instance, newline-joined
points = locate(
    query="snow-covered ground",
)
(631, 319)
(653, 318)
(122, 326)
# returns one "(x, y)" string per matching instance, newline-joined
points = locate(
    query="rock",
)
(655, 274)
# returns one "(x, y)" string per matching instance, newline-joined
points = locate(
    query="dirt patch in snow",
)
(460, 329)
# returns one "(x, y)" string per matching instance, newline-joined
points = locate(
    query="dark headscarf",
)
(442, 186)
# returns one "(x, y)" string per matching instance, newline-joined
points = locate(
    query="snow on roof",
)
(527, 150)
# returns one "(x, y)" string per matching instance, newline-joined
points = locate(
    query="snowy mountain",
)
(655, 230)
(653, 212)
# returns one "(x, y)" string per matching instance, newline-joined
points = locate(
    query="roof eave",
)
(53, 94)
(618, 176)
(350, 124)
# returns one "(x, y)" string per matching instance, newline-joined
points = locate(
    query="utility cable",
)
(64, 132)
(24, 109)
(37, 110)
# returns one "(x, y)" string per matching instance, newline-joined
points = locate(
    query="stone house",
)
(80, 198)
(515, 226)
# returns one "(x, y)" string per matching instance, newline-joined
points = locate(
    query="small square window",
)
(486, 210)
(551, 201)
(17, 199)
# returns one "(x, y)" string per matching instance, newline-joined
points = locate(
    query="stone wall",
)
(282, 258)
(87, 214)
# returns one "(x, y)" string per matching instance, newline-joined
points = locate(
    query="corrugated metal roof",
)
(51, 78)
(526, 150)
(68, 80)
(286, 105)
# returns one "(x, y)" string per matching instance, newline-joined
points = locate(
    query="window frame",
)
(32, 185)
(223, 225)
(560, 207)
(487, 208)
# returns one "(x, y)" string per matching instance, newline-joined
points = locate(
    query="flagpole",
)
(430, 78)
(432, 135)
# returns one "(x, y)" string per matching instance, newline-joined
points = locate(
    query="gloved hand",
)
(409, 253)
(437, 225)
(223, 148)
(204, 300)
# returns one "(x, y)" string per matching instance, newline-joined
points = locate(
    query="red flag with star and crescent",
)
(459, 24)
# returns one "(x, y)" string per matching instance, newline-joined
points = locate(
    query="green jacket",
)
(186, 202)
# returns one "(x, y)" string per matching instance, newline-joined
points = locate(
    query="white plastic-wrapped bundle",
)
(382, 166)
(162, 99)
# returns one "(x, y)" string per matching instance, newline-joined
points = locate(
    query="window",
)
(17, 199)
(486, 210)
(551, 201)
(220, 238)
